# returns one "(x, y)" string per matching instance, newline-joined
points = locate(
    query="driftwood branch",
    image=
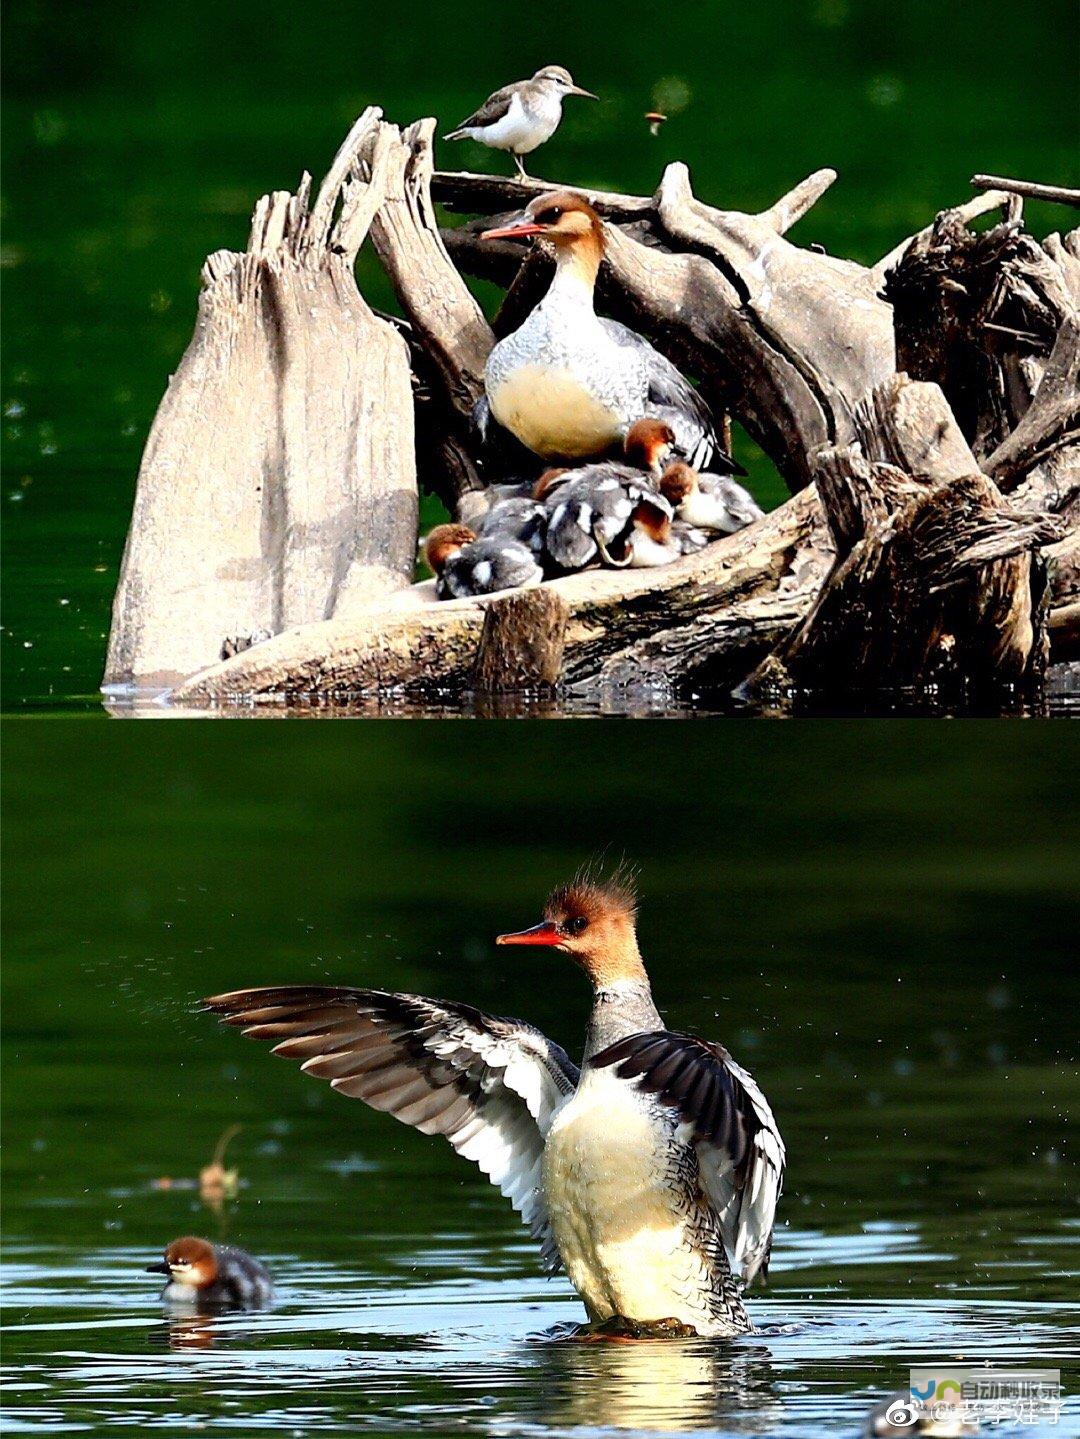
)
(934, 583)
(259, 507)
(902, 566)
(1056, 194)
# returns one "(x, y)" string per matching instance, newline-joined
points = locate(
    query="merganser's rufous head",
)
(652, 522)
(547, 482)
(564, 217)
(593, 921)
(648, 444)
(188, 1261)
(559, 79)
(678, 483)
(444, 542)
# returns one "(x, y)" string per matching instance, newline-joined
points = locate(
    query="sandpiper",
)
(212, 1276)
(651, 1174)
(520, 117)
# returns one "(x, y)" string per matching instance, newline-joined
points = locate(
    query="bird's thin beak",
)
(542, 933)
(585, 94)
(159, 1268)
(520, 230)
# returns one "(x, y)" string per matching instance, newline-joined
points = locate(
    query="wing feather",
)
(726, 1117)
(490, 1086)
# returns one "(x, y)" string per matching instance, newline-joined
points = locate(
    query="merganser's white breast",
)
(632, 1230)
(560, 384)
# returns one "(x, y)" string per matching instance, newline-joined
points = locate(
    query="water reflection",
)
(672, 1386)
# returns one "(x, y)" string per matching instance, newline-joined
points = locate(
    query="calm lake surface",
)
(875, 919)
(137, 138)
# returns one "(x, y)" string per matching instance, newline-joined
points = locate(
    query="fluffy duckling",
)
(652, 541)
(709, 502)
(212, 1276)
(590, 510)
(466, 564)
(518, 517)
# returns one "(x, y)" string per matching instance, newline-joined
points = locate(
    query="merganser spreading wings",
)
(568, 383)
(651, 1175)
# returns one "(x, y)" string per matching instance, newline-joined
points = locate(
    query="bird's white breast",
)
(620, 1223)
(519, 129)
(553, 413)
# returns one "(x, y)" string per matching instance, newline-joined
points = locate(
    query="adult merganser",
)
(213, 1275)
(467, 564)
(568, 383)
(520, 117)
(651, 1174)
(711, 502)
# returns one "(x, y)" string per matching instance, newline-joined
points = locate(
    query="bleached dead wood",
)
(935, 583)
(711, 613)
(278, 483)
(797, 344)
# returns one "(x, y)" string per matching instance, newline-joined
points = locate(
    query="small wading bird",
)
(651, 1174)
(568, 383)
(212, 1276)
(521, 117)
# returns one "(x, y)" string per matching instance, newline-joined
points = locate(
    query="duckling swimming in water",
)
(212, 1276)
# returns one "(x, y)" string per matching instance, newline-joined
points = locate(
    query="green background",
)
(879, 921)
(136, 138)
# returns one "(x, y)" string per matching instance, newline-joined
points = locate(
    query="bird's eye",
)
(553, 214)
(576, 925)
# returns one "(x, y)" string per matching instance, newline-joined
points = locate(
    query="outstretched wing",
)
(728, 1121)
(490, 1086)
(673, 398)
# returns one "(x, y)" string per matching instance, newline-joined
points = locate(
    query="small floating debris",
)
(654, 119)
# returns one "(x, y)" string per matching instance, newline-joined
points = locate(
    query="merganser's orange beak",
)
(520, 230)
(542, 933)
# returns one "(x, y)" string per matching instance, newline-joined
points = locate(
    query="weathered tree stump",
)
(935, 585)
(278, 484)
(907, 517)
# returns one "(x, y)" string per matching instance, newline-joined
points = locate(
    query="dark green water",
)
(879, 921)
(137, 137)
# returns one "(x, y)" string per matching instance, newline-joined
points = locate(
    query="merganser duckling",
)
(213, 1275)
(651, 1174)
(522, 116)
(652, 540)
(466, 564)
(711, 502)
(518, 517)
(568, 383)
(591, 509)
(895, 1417)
